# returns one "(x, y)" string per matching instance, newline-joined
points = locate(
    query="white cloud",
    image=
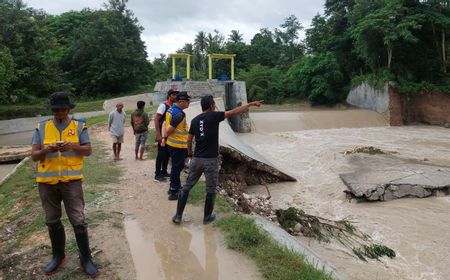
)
(169, 24)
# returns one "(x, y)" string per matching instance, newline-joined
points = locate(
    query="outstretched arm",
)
(240, 109)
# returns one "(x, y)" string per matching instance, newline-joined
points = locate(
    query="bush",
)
(263, 83)
(318, 78)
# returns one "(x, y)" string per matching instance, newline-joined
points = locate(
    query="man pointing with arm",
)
(205, 159)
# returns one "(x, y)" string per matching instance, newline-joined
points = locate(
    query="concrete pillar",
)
(209, 68)
(232, 68)
(173, 67)
(188, 68)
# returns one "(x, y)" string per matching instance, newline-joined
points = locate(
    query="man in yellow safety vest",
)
(176, 140)
(59, 145)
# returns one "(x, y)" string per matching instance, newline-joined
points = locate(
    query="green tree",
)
(200, 46)
(235, 37)
(24, 33)
(107, 54)
(288, 35)
(316, 77)
(389, 23)
(6, 72)
(263, 83)
(437, 14)
(263, 49)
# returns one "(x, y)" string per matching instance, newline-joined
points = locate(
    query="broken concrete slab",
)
(233, 146)
(386, 178)
(14, 153)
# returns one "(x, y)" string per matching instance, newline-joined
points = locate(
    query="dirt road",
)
(151, 246)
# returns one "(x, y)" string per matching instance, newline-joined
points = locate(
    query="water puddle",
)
(186, 252)
(143, 251)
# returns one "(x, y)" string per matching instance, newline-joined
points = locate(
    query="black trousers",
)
(177, 155)
(162, 160)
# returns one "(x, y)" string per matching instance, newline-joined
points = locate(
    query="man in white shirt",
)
(162, 159)
(116, 122)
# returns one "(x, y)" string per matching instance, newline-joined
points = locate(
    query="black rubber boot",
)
(58, 240)
(209, 216)
(85, 254)
(182, 199)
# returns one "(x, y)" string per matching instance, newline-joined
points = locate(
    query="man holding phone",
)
(59, 145)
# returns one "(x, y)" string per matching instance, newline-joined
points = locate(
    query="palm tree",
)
(235, 37)
(200, 42)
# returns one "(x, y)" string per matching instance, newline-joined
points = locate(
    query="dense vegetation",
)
(93, 53)
(89, 53)
(404, 41)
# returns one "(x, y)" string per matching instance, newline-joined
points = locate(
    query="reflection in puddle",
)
(144, 257)
(190, 254)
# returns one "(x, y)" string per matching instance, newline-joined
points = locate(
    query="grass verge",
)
(274, 262)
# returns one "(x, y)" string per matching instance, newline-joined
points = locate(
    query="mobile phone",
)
(59, 143)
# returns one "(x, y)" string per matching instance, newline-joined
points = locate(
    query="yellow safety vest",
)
(60, 166)
(178, 138)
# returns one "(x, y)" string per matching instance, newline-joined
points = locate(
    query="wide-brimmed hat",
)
(59, 100)
(183, 95)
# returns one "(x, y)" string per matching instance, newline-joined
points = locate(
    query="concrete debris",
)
(238, 171)
(389, 179)
(367, 150)
(14, 153)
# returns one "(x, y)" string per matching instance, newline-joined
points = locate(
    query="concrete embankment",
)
(28, 124)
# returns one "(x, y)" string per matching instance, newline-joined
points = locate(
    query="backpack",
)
(138, 121)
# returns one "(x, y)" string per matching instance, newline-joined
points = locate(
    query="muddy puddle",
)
(417, 229)
(196, 254)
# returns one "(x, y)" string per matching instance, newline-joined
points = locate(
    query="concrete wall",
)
(129, 102)
(28, 124)
(367, 97)
(423, 107)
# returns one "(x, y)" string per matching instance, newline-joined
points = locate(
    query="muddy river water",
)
(304, 145)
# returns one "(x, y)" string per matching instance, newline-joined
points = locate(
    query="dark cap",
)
(171, 91)
(183, 95)
(59, 100)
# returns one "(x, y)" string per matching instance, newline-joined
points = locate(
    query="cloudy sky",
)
(169, 24)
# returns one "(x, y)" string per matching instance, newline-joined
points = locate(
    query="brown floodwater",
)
(417, 229)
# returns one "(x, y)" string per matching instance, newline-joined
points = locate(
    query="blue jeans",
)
(177, 155)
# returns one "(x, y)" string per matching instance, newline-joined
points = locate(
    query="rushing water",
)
(417, 229)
